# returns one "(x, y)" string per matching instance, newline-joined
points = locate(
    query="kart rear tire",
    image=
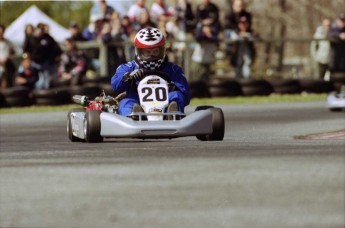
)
(218, 124)
(69, 125)
(92, 127)
(335, 109)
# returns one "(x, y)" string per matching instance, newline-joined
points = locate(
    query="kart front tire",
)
(218, 124)
(92, 127)
(69, 125)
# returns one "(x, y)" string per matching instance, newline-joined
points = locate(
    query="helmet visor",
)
(151, 54)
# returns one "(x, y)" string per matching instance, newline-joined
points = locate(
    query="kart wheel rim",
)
(85, 127)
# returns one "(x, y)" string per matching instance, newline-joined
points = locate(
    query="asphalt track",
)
(259, 176)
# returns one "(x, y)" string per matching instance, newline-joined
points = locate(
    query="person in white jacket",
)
(320, 50)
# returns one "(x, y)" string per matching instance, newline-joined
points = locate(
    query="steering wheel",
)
(158, 73)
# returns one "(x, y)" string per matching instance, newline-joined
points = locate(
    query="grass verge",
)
(194, 102)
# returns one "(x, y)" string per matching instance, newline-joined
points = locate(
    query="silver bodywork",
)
(117, 126)
(336, 100)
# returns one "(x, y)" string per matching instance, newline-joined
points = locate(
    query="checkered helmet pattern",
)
(148, 38)
(149, 65)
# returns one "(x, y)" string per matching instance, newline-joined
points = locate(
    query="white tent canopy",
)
(33, 15)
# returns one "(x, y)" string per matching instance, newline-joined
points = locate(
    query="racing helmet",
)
(149, 44)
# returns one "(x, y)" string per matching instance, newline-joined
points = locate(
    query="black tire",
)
(256, 91)
(288, 90)
(98, 79)
(16, 97)
(69, 125)
(338, 77)
(252, 87)
(224, 88)
(335, 109)
(92, 127)
(218, 124)
(17, 91)
(2, 101)
(199, 89)
(219, 92)
(286, 86)
(18, 101)
(55, 96)
(203, 107)
(316, 86)
(338, 85)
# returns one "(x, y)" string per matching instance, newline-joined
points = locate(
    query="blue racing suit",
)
(181, 94)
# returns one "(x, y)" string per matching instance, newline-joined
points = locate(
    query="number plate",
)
(153, 97)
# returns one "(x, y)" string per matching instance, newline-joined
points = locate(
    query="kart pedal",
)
(136, 108)
(171, 109)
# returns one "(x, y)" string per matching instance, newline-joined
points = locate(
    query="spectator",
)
(238, 11)
(116, 30)
(320, 50)
(207, 30)
(136, 10)
(175, 28)
(185, 15)
(232, 19)
(93, 30)
(76, 34)
(126, 26)
(203, 55)
(101, 10)
(73, 64)
(160, 11)
(178, 27)
(144, 21)
(116, 54)
(7, 68)
(244, 50)
(207, 14)
(28, 73)
(37, 49)
(337, 55)
(127, 31)
(28, 34)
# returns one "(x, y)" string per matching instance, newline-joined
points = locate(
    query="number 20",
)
(160, 94)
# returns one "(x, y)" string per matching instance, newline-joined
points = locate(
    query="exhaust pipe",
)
(82, 100)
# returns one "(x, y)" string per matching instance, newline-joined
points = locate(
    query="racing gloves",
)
(135, 75)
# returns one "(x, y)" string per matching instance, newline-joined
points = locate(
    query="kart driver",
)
(150, 54)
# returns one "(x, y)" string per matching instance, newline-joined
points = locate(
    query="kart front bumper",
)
(335, 101)
(117, 126)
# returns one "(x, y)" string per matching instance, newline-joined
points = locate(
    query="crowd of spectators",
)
(41, 69)
(328, 51)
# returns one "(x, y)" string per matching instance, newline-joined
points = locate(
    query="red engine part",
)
(94, 105)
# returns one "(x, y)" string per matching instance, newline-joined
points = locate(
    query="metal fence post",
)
(103, 58)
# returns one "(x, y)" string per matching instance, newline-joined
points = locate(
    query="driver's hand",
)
(135, 75)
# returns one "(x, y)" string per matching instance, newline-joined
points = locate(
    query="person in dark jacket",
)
(207, 14)
(76, 34)
(244, 51)
(238, 11)
(7, 67)
(44, 51)
(73, 64)
(28, 73)
(337, 55)
(232, 19)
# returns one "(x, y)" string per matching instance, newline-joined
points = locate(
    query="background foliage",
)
(62, 12)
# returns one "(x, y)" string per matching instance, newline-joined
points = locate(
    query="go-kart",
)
(336, 100)
(99, 118)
